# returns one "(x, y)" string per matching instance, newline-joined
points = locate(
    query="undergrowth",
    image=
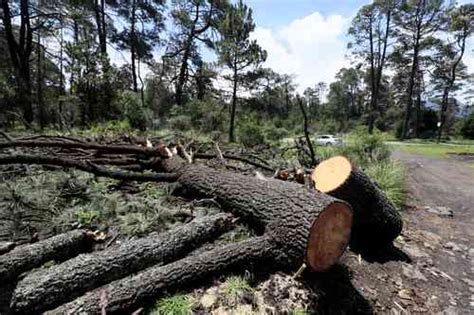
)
(178, 304)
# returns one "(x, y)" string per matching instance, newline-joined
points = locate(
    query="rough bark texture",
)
(59, 247)
(284, 211)
(128, 294)
(61, 283)
(376, 220)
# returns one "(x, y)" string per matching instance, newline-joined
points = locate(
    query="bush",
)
(203, 116)
(273, 133)
(130, 105)
(250, 133)
(467, 129)
(390, 178)
(178, 304)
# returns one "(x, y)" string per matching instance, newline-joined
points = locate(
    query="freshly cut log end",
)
(376, 220)
(331, 174)
(329, 236)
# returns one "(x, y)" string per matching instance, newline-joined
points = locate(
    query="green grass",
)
(178, 304)
(389, 175)
(432, 149)
(234, 286)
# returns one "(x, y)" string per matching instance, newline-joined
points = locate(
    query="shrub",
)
(178, 304)
(235, 286)
(204, 116)
(390, 178)
(133, 111)
(467, 129)
(250, 132)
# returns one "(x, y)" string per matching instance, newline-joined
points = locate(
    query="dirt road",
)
(438, 237)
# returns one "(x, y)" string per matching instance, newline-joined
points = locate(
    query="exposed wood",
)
(286, 211)
(59, 247)
(47, 289)
(128, 294)
(376, 220)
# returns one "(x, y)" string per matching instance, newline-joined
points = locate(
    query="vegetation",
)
(178, 304)
(57, 72)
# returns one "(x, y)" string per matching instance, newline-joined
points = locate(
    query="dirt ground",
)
(434, 270)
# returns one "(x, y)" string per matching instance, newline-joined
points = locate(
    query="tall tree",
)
(449, 68)
(142, 34)
(237, 51)
(20, 47)
(195, 21)
(416, 22)
(370, 30)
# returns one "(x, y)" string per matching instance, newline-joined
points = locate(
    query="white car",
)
(328, 140)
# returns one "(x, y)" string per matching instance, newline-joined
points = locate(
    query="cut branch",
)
(130, 293)
(117, 149)
(44, 290)
(86, 166)
(59, 247)
(235, 158)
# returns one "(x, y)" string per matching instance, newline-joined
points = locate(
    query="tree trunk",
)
(232, 110)
(133, 43)
(444, 108)
(47, 289)
(376, 221)
(128, 294)
(299, 221)
(411, 85)
(39, 82)
(59, 247)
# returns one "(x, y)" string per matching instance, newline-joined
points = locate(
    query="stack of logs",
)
(295, 226)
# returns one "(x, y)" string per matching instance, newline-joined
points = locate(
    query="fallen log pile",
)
(296, 226)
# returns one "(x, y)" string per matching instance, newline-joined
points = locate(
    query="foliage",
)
(467, 129)
(133, 111)
(204, 116)
(250, 133)
(178, 304)
(235, 286)
(390, 177)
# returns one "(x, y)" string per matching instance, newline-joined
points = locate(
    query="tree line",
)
(57, 68)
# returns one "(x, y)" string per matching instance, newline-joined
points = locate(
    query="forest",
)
(407, 75)
(152, 163)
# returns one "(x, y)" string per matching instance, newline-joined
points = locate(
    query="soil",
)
(434, 269)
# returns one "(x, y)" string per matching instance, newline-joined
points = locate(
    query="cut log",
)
(376, 220)
(59, 247)
(128, 294)
(309, 227)
(47, 289)
(5, 247)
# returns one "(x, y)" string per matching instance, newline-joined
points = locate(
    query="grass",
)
(432, 149)
(234, 286)
(178, 304)
(389, 175)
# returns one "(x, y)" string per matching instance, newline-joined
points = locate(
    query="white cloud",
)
(312, 48)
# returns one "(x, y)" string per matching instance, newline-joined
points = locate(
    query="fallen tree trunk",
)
(44, 290)
(59, 247)
(376, 220)
(126, 295)
(308, 226)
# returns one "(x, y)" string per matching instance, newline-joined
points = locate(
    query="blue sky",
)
(308, 38)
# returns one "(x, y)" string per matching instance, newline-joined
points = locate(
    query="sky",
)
(304, 38)
(308, 38)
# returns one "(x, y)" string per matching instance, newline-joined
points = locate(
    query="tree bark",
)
(59, 247)
(232, 110)
(376, 220)
(296, 219)
(128, 294)
(47, 289)
(133, 44)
